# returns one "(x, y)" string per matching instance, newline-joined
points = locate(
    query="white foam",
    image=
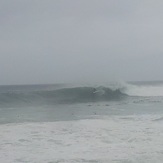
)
(134, 90)
(115, 139)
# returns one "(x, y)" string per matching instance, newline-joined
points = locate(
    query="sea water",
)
(113, 122)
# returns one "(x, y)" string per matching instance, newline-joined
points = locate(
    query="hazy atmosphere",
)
(81, 81)
(60, 41)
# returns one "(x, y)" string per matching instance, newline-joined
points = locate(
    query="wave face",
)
(39, 95)
(60, 96)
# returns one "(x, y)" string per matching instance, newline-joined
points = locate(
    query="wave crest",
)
(64, 95)
(77, 94)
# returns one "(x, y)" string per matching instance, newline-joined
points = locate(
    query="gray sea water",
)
(113, 122)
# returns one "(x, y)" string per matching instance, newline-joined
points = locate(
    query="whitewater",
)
(64, 123)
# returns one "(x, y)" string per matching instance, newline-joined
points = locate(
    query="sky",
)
(66, 41)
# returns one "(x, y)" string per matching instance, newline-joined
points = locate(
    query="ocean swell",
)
(60, 96)
(64, 94)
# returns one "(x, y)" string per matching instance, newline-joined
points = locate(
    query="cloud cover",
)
(80, 41)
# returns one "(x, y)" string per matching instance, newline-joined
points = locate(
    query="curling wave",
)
(64, 95)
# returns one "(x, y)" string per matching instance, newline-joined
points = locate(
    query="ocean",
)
(116, 122)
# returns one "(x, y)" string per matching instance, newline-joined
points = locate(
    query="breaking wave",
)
(61, 96)
(148, 90)
(79, 94)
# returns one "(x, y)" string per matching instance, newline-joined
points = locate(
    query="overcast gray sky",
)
(53, 41)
